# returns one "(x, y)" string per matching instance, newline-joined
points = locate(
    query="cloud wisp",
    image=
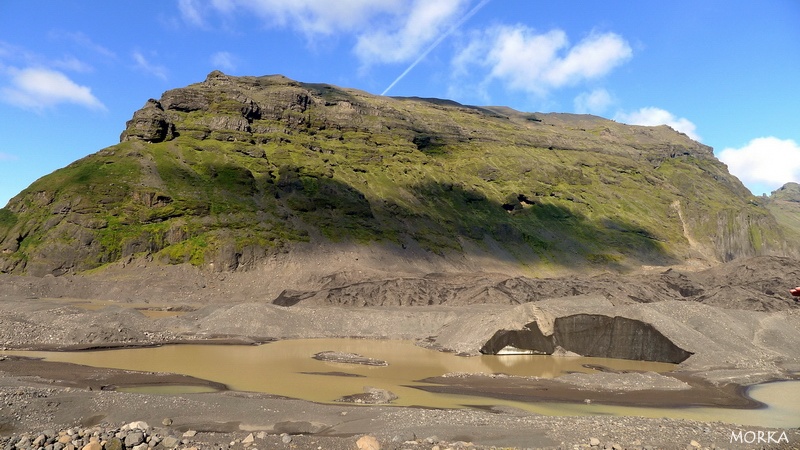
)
(594, 102)
(38, 89)
(651, 116)
(7, 157)
(765, 161)
(83, 41)
(436, 43)
(144, 65)
(310, 17)
(191, 12)
(224, 60)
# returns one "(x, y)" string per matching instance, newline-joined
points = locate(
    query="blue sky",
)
(724, 72)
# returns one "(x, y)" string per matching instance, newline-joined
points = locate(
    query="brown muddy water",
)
(287, 368)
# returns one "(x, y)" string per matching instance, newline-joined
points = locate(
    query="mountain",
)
(784, 204)
(227, 172)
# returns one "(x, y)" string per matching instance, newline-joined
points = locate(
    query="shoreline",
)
(697, 392)
(225, 419)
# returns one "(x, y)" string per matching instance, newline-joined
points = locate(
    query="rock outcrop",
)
(149, 124)
(789, 192)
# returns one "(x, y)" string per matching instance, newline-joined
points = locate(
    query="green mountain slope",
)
(784, 204)
(233, 169)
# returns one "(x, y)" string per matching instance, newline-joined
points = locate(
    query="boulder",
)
(594, 335)
(368, 443)
(370, 396)
(134, 438)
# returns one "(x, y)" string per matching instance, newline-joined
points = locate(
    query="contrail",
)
(437, 42)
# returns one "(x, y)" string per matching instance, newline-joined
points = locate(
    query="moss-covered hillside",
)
(225, 172)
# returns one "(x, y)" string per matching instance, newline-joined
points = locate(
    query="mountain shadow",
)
(530, 227)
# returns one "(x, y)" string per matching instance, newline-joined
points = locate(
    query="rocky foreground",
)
(185, 426)
(750, 337)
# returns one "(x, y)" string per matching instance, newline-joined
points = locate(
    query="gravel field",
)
(56, 406)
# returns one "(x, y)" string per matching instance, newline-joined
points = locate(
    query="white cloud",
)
(223, 60)
(386, 31)
(422, 24)
(766, 161)
(538, 62)
(594, 102)
(651, 116)
(146, 66)
(593, 57)
(37, 89)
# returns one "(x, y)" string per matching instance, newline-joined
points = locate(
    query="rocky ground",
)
(737, 320)
(251, 421)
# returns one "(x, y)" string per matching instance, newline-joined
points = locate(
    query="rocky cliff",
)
(230, 171)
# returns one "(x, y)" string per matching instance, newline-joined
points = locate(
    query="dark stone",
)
(529, 338)
(593, 335)
(615, 337)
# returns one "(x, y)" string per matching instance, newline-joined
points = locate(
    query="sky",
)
(725, 72)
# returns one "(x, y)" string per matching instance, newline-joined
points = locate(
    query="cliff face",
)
(224, 173)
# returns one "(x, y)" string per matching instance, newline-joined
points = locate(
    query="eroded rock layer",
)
(593, 335)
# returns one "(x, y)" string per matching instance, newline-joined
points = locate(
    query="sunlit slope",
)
(228, 171)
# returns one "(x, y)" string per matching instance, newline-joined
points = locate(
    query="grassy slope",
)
(559, 190)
